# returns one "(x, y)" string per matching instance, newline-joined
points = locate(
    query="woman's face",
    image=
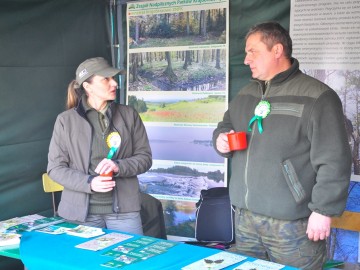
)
(101, 88)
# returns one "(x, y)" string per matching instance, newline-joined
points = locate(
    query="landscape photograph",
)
(180, 218)
(182, 181)
(178, 186)
(190, 108)
(182, 144)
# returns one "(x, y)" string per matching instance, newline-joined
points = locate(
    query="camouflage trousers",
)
(279, 241)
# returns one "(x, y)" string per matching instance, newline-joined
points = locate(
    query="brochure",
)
(139, 249)
(9, 239)
(35, 224)
(104, 241)
(53, 229)
(85, 231)
(6, 224)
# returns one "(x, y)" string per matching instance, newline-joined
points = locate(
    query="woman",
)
(97, 149)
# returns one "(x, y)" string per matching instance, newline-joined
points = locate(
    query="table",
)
(11, 252)
(40, 251)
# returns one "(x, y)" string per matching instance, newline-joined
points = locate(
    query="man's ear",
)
(278, 50)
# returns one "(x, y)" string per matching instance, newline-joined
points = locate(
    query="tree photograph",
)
(191, 70)
(200, 27)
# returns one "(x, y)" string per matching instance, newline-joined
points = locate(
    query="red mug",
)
(237, 140)
(108, 174)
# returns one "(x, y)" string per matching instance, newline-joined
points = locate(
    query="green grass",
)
(198, 111)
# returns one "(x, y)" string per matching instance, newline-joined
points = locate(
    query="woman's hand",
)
(106, 166)
(102, 183)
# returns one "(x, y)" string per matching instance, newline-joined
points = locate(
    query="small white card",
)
(259, 265)
(104, 241)
(214, 262)
(85, 231)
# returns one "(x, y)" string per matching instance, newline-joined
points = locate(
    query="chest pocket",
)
(292, 109)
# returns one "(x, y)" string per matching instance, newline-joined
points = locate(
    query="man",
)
(294, 175)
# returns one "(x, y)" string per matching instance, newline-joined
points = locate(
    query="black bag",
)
(214, 216)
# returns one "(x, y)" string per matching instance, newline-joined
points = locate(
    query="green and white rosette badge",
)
(261, 111)
(113, 140)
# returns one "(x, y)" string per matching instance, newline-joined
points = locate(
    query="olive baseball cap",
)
(95, 66)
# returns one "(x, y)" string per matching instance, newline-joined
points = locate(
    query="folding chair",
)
(50, 185)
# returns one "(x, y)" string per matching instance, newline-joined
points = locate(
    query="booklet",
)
(9, 239)
(53, 229)
(35, 224)
(141, 249)
(217, 261)
(85, 231)
(119, 251)
(121, 261)
(104, 241)
(6, 224)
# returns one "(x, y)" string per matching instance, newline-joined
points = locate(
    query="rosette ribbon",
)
(113, 141)
(111, 153)
(259, 122)
(261, 111)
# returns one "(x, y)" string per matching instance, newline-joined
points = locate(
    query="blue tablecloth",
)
(40, 251)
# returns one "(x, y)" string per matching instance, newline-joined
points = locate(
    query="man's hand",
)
(318, 227)
(222, 143)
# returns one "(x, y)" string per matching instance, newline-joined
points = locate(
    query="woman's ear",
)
(87, 86)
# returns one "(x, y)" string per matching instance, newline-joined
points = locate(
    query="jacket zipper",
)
(263, 95)
(88, 196)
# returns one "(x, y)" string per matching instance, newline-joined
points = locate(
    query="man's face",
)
(260, 60)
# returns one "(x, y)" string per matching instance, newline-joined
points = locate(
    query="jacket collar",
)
(285, 75)
(81, 109)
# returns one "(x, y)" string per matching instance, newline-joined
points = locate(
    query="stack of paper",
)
(9, 239)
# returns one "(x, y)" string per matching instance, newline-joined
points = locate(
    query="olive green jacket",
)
(301, 162)
(69, 159)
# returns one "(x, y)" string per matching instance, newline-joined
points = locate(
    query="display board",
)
(178, 82)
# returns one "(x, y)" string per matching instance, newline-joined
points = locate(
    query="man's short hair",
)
(273, 33)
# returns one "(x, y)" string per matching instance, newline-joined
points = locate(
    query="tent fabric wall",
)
(243, 15)
(41, 44)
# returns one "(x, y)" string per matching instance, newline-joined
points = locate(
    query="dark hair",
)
(74, 92)
(272, 33)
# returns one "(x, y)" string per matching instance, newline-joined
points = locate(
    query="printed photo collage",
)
(178, 82)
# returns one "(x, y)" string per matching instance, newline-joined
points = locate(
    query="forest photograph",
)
(197, 109)
(202, 27)
(191, 70)
(192, 144)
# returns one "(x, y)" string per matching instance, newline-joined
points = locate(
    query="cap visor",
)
(110, 72)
